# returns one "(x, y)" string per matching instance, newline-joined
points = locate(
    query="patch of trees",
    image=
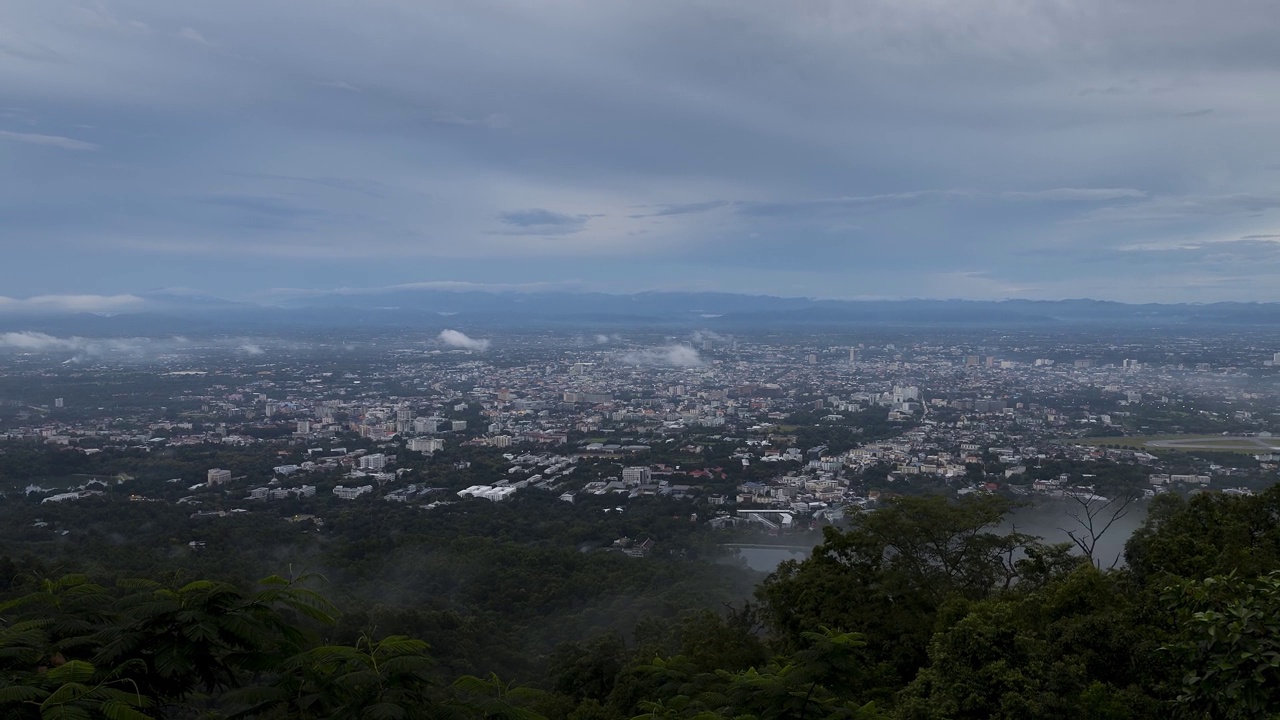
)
(918, 610)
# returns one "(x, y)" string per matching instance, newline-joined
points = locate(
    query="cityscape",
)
(639, 360)
(766, 434)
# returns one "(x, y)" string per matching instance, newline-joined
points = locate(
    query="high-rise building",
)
(304, 427)
(636, 475)
(853, 354)
(375, 462)
(217, 476)
(905, 394)
(57, 402)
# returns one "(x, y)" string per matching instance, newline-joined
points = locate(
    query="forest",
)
(918, 609)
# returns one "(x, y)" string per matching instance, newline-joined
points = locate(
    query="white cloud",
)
(667, 355)
(57, 141)
(1075, 194)
(703, 335)
(193, 35)
(38, 342)
(436, 285)
(454, 338)
(128, 349)
(338, 85)
(1187, 207)
(493, 121)
(84, 347)
(71, 303)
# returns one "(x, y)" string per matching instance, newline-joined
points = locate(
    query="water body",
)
(766, 558)
(1048, 519)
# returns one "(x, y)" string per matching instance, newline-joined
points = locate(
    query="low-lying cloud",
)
(71, 303)
(133, 349)
(665, 356)
(708, 335)
(456, 339)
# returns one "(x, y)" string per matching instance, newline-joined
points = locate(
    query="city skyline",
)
(1111, 150)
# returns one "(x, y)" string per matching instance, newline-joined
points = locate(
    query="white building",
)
(218, 476)
(374, 462)
(488, 492)
(636, 475)
(351, 493)
(427, 445)
(905, 394)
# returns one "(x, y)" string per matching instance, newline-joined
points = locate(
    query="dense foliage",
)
(920, 609)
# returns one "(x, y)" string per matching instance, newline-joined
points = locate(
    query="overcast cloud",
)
(1118, 149)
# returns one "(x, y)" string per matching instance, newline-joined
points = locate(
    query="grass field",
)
(1212, 443)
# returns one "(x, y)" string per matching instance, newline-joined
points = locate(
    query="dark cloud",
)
(539, 217)
(1016, 142)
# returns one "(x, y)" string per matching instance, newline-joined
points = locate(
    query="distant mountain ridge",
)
(164, 312)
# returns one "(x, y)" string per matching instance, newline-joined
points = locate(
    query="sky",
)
(1114, 149)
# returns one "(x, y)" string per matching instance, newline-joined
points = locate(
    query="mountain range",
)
(162, 312)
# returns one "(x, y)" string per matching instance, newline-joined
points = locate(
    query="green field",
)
(1212, 443)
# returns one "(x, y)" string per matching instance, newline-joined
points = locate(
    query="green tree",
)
(372, 680)
(1075, 647)
(1229, 646)
(889, 573)
(822, 680)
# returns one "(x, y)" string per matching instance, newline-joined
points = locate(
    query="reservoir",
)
(766, 558)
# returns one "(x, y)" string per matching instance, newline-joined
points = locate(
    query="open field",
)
(1214, 443)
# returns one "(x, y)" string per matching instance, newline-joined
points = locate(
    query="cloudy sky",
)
(1119, 149)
